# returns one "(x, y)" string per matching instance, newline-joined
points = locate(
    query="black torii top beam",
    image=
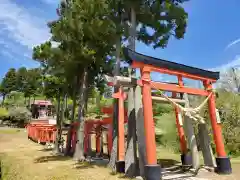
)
(134, 56)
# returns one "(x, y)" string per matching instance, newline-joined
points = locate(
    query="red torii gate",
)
(94, 126)
(147, 65)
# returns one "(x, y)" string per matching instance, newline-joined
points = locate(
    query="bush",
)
(19, 115)
(166, 133)
(230, 118)
(4, 114)
(228, 105)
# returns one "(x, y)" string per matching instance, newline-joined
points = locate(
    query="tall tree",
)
(85, 34)
(22, 75)
(89, 31)
(3, 90)
(21, 78)
(164, 18)
(32, 84)
(10, 81)
(54, 88)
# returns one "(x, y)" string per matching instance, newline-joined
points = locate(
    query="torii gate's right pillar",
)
(222, 160)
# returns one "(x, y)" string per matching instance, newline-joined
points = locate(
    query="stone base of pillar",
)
(120, 166)
(186, 159)
(153, 172)
(223, 165)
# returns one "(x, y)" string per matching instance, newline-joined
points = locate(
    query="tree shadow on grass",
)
(46, 149)
(83, 165)
(168, 163)
(44, 159)
(123, 176)
(91, 163)
(120, 175)
(99, 162)
(171, 167)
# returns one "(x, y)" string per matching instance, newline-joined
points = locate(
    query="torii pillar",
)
(185, 156)
(152, 169)
(222, 160)
(120, 164)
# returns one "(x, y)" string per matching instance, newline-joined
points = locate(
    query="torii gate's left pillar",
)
(152, 169)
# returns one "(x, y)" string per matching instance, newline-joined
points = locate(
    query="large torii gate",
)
(147, 64)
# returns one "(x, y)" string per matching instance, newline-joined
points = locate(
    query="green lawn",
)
(9, 131)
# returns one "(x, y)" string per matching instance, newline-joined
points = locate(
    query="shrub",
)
(230, 115)
(166, 133)
(19, 115)
(228, 105)
(4, 114)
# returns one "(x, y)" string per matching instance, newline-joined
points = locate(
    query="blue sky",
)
(212, 39)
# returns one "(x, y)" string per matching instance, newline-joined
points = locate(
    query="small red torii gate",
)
(93, 126)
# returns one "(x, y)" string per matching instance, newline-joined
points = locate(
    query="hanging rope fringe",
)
(192, 113)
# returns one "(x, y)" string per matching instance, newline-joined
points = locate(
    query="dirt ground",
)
(25, 160)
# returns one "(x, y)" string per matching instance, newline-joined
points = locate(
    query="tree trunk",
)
(98, 101)
(75, 93)
(56, 146)
(3, 100)
(113, 157)
(29, 101)
(61, 123)
(69, 136)
(79, 152)
(131, 154)
(86, 100)
(25, 100)
(65, 107)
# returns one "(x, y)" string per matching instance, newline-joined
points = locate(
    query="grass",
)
(9, 172)
(9, 131)
(25, 160)
(235, 160)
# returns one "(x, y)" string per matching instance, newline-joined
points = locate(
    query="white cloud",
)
(232, 43)
(23, 27)
(223, 69)
(234, 63)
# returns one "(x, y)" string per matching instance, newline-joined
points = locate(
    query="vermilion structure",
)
(148, 64)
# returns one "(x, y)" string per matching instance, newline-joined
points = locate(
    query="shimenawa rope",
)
(192, 113)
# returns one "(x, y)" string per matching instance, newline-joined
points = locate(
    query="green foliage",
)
(3, 113)
(159, 109)
(22, 76)
(14, 99)
(165, 18)
(230, 115)
(9, 82)
(23, 81)
(20, 114)
(33, 82)
(53, 86)
(3, 89)
(166, 133)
